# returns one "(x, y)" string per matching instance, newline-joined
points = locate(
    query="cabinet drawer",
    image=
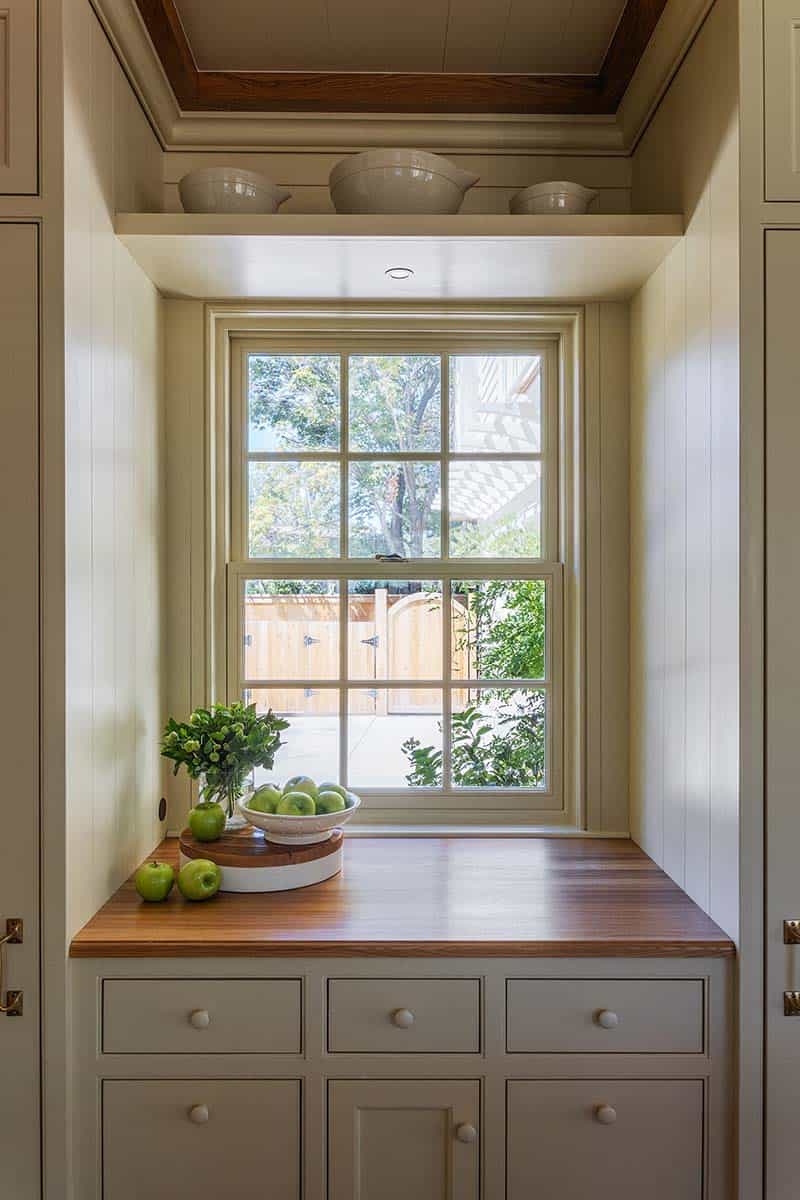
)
(644, 1016)
(395, 1016)
(603, 1137)
(202, 1016)
(179, 1137)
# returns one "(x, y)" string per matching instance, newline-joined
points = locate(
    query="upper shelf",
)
(469, 257)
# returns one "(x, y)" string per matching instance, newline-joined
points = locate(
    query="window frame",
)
(351, 330)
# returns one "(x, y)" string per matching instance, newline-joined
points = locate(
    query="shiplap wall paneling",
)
(115, 485)
(501, 175)
(19, 98)
(685, 487)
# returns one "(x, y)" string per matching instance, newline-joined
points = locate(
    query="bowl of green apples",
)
(300, 813)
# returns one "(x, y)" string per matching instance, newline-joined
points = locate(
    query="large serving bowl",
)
(229, 190)
(556, 196)
(298, 831)
(398, 181)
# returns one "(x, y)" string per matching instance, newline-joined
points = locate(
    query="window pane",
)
(499, 628)
(395, 630)
(293, 510)
(293, 401)
(383, 732)
(291, 629)
(311, 743)
(495, 403)
(395, 509)
(498, 738)
(495, 509)
(395, 402)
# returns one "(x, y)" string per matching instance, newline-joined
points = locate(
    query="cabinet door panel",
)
(403, 1139)
(782, 98)
(18, 98)
(605, 1138)
(165, 1138)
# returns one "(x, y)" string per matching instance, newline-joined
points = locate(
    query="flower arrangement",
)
(220, 746)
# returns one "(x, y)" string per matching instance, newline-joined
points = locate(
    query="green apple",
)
(265, 799)
(330, 801)
(333, 787)
(296, 804)
(207, 821)
(154, 881)
(301, 783)
(199, 879)
(351, 799)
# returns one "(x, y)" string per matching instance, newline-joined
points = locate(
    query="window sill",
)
(412, 830)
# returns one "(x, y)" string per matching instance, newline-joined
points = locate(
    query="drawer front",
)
(202, 1016)
(605, 1138)
(397, 1016)
(605, 1016)
(164, 1139)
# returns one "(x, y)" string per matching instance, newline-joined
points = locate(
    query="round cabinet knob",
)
(607, 1019)
(199, 1114)
(605, 1114)
(200, 1018)
(403, 1018)
(466, 1133)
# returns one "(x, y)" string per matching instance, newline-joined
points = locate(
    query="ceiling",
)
(494, 36)
(526, 56)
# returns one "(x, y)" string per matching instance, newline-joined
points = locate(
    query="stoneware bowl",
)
(398, 181)
(557, 196)
(229, 190)
(299, 831)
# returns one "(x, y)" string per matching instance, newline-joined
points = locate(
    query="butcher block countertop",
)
(511, 897)
(434, 897)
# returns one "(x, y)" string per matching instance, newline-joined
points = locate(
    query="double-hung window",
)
(394, 583)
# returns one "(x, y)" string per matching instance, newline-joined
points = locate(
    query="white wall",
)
(685, 485)
(114, 478)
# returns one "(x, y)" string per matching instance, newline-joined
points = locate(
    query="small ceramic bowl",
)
(229, 190)
(299, 831)
(398, 181)
(556, 196)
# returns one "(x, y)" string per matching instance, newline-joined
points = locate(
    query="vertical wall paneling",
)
(115, 479)
(685, 486)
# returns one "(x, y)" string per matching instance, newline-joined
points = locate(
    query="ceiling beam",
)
(394, 92)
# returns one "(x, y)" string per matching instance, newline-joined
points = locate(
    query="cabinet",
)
(164, 1138)
(782, 99)
(391, 1139)
(606, 1138)
(18, 98)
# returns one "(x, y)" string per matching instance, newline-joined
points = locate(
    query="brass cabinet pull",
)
(13, 937)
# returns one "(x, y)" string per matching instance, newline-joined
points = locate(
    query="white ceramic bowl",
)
(398, 181)
(557, 196)
(229, 190)
(299, 831)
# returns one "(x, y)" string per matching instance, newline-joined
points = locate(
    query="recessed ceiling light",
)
(399, 272)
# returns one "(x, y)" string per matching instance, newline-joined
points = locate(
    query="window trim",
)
(565, 326)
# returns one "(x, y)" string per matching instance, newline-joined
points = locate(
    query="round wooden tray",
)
(252, 864)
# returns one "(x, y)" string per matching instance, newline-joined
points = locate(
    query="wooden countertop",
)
(548, 897)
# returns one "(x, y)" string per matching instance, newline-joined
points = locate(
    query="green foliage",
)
(481, 756)
(504, 627)
(223, 743)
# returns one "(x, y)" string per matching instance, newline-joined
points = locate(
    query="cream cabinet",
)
(391, 1139)
(18, 97)
(164, 1138)
(403, 1079)
(782, 99)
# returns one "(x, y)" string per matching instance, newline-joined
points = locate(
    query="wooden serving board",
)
(252, 864)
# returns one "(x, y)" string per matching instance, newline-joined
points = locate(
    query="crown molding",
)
(604, 134)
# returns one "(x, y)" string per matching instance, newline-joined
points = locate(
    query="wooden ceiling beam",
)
(398, 92)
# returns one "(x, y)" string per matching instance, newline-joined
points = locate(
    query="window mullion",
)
(344, 695)
(447, 699)
(344, 447)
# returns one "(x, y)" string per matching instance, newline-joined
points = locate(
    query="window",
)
(394, 577)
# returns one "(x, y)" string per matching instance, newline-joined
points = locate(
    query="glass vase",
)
(227, 795)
